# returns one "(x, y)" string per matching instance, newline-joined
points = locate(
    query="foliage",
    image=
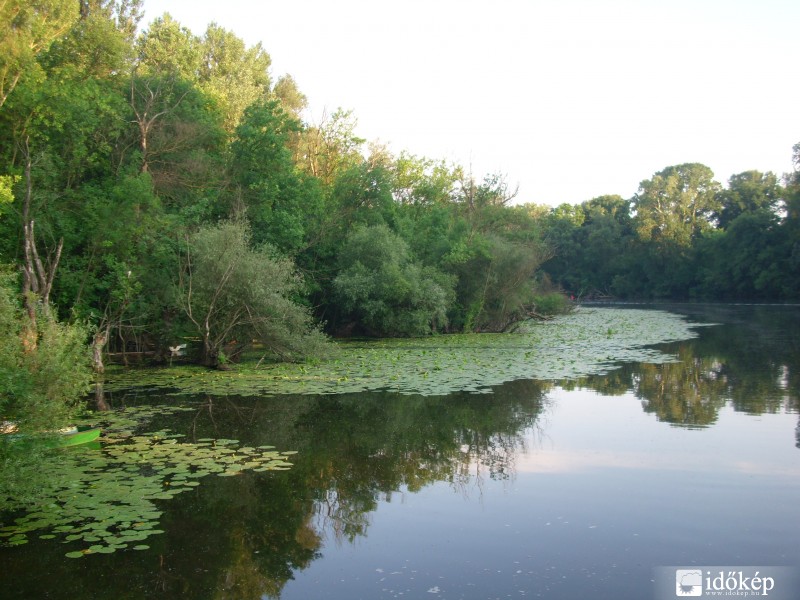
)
(279, 200)
(39, 388)
(234, 75)
(124, 145)
(554, 303)
(385, 290)
(233, 293)
(682, 236)
(27, 28)
(6, 195)
(747, 192)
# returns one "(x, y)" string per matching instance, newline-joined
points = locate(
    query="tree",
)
(672, 210)
(384, 290)
(99, 44)
(27, 28)
(747, 192)
(151, 100)
(233, 294)
(39, 387)
(277, 198)
(422, 181)
(232, 74)
(37, 276)
(676, 205)
(497, 282)
(168, 49)
(749, 260)
(292, 99)
(330, 147)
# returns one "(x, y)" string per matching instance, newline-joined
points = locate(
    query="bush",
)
(40, 387)
(553, 303)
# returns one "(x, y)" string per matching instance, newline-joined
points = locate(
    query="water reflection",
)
(248, 537)
(749, 360)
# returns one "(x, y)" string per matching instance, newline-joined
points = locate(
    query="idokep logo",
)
(768, 582)
(688, 582)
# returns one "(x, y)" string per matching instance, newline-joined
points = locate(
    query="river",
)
(590, 487)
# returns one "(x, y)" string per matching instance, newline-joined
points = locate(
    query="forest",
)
(160, 190)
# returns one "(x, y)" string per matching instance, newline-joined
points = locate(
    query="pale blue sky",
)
(570, 99)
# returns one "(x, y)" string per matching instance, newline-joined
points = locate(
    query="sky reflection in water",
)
(576, 489)
(600, 494)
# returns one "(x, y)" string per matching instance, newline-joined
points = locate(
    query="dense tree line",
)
(684, 236)
(158, 186)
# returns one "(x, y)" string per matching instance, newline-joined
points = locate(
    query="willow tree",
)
(234, 294)
(384, 291)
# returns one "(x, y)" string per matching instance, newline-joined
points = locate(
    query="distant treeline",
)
(683, 237)
(161, 186)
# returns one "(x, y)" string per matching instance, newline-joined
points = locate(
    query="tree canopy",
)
(165, 188)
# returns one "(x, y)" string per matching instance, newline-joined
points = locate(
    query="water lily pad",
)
(106, 499)
(590, 341)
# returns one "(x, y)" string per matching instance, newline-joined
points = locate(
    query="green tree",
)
(672, 211)
(561, 230)
(292, 99)
(99, 44)
(331, 147)
(748, 260)
(278, 199)
(234, 75)
(27, 28)
(168, 49)
(747, 192)
(676, 205)
(423, 182)
(388, 293)
(233, 293)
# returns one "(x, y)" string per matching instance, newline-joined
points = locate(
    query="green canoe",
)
(73, 437)
(69, 436)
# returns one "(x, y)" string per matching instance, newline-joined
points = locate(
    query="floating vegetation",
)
(107, 500)
(590, 341)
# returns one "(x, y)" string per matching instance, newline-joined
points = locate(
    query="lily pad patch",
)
(590, 341)
(108, 499)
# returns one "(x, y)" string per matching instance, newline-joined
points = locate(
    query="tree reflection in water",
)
(245, 537)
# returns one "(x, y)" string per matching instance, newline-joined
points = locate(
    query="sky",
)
(568, 99)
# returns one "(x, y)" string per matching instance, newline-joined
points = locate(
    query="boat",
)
(69, 436)
(73, 436)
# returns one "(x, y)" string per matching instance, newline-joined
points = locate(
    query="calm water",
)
(542, 489)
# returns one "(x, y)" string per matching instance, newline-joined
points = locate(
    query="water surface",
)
(551, 489)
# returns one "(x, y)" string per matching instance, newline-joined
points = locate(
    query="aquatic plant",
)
(107, 499)
(586, 342)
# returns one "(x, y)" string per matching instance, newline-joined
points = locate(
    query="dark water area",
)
(541, 489)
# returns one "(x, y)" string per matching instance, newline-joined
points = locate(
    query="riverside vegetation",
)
(159, 188)
(102, 502)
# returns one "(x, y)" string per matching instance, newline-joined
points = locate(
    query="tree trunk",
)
(100, 401)
(37, 277)
(210, 355)
(98, 344)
